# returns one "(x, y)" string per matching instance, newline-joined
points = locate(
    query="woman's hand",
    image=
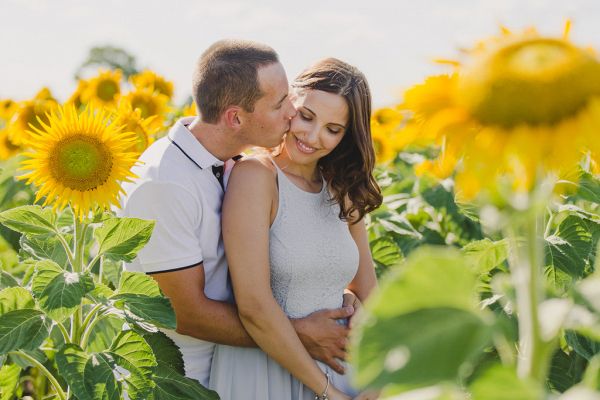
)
(369, 394)
(334, 394)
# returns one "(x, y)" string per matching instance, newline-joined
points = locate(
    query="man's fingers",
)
(341, 313)
(337, 367)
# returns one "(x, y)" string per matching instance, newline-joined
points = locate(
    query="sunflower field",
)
(485, 246)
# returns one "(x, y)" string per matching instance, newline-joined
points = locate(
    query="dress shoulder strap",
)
(274, 163)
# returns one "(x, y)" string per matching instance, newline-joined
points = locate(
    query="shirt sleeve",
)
(174, 243)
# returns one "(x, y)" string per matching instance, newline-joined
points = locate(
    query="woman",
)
(295, 237)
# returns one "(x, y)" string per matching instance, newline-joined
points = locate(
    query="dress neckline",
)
(280, 172)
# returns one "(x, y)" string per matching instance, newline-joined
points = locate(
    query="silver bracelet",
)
(324, 395)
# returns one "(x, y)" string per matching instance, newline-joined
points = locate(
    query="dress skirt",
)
(240, 373)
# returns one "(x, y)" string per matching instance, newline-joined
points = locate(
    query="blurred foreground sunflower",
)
(30, 113)
(103, 90)
(79, 159)
(149, 80)
(132, 121)
(523, 106)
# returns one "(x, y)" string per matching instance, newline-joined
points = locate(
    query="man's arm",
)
(199, 316)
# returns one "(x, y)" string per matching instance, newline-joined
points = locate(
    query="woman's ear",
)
(233, 118)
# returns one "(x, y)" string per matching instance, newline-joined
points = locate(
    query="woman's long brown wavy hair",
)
(348, 169)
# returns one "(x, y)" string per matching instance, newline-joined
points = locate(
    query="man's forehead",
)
(272, 78)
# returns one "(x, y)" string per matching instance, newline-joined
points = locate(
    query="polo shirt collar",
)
(190, 146)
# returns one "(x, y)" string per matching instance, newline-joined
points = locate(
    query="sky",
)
(393, 42)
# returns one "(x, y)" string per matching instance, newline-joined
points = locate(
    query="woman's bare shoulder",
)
(257, 170)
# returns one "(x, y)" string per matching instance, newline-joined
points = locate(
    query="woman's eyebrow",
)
(311, 111)
(331, 123)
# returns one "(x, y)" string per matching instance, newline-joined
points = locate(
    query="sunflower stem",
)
(525, 273)
(77, 318)
(67, 248)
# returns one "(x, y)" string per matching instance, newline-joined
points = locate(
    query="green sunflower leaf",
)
(30, 220)
(24, 363)
(386, 254)
(23, 329)
(169, 377)
(140, 295)
(566, 253)
(129, 361)
(122, 238)
(559, 377)
(425, 312)
(15, 298)
(9, 379)
(58, 291)
(105, 330)
(112, 270)
(586, 347)
(484, 255)
(499, 383)
(46, 246)
(7, 280)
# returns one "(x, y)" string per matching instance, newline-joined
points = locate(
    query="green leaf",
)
(141, 296)
(23, 329)
(122, 238)
(46, 247)
(586, 347)
(171, 383)
(15, 298)
(484, 255)
(401, 348)
(559, 377)
(9, 379)
(588, 187)
(57, 291)
(433, 277)
(386, 254)
(30, 220)
(566, 253)
(103, 333)
(112, 271)
(499, 383)
(423, 313)
(7, 280)
(93, 376)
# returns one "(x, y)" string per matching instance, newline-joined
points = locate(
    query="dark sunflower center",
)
(146, 105)
(107, 89)
(534, 82)
(80, 162)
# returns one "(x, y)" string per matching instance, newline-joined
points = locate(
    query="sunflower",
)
(7, 109)
(383, 142)
(150, 104)
(76, 97)
(79, 159)
(28, 114)
(190, 111)
(149, 80)
(132, 121)
(103, 90)
(7, 148)
(523, 106)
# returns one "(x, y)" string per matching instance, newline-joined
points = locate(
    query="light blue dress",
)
(313, 258)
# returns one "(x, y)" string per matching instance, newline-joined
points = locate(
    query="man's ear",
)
(233, 118)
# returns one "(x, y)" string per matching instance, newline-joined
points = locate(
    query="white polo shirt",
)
(177, 189)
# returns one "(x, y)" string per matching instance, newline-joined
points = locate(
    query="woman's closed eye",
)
(335, 132)
(304, 117)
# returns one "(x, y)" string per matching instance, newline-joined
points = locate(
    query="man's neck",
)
(216, 139)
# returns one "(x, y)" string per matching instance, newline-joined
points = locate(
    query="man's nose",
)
(291, 111)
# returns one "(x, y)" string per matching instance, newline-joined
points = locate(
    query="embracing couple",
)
(287, 237)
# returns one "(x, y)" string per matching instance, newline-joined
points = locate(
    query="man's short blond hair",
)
(227, 74)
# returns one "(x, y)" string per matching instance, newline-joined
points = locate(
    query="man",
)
(241, 94)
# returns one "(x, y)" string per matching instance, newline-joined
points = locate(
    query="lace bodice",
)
(312, 254)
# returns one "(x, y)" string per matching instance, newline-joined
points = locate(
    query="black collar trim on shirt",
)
(184, 153)
(175, 269)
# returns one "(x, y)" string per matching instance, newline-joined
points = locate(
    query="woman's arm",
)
(365, 280)
(246, 217)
